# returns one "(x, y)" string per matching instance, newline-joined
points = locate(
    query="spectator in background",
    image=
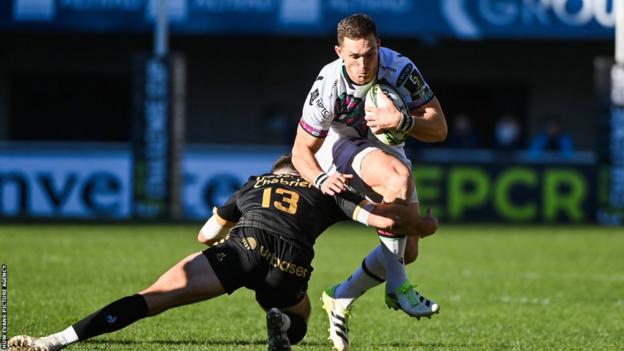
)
(462, 135)
(507, 133)
(552, 139)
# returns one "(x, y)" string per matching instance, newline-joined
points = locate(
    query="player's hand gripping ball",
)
(388, 136)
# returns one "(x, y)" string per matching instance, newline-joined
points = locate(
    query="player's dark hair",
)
(284, 164)
(356, 26)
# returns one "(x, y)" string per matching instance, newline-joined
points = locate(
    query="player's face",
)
(360, 57)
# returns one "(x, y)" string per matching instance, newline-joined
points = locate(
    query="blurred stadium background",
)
(106, 118)
(78, 81)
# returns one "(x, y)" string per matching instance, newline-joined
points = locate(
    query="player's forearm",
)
(429, 123)
(416, 225)
(380, 222)
(405, 221)
(303, 157)
(306, 163)
(425, 130)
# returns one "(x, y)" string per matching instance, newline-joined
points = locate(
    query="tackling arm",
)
(392, 217)
(223, 218)
(215, 229)
(400, 219)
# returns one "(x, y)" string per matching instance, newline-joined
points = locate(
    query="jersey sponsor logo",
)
(324, 111)
(350, 111)
(281, 179)
(313, 95)
(282, 264)
(319, 133)
(404, 74)
(388, 68)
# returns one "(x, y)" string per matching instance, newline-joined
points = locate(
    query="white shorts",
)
(345, 155)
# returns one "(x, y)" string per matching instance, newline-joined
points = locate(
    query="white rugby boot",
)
(338, 320)
(277, 325)
(29, 343)
(406, 298)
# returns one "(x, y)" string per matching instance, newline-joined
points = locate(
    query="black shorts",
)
(275, 267)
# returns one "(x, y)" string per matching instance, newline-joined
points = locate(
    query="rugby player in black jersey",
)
(273, 221)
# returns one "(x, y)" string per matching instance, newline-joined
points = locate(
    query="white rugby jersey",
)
(336, 105)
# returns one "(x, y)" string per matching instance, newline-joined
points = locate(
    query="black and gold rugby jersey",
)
(290, 206)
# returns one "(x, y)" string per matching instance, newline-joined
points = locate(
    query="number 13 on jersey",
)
(287, 202)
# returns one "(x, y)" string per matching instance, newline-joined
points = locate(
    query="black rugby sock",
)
(113, 317)
(298, 328)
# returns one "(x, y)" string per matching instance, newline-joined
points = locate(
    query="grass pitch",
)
(499, 287)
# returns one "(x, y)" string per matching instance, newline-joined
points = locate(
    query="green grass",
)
(500, 288)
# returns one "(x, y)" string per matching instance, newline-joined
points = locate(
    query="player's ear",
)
(338, 50)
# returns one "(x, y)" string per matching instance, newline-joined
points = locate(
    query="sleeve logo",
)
(313, 96)
(404, 74)
(416, 79)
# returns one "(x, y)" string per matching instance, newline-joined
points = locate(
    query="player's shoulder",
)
(332, 67)
(329, 73)
(394, 66)
(391, 60)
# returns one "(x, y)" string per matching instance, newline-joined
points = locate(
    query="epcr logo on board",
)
(466, 16)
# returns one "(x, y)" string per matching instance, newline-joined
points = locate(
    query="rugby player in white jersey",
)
(335, 149)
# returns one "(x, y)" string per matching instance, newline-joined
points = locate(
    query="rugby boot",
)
(277, 325)
(338, 320)
(406, 298)
(29, 343)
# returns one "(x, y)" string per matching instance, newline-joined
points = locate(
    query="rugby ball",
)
(373, 98)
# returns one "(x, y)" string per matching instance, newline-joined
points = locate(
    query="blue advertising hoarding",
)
(48, 183)
(461, 19)
(96, 182)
